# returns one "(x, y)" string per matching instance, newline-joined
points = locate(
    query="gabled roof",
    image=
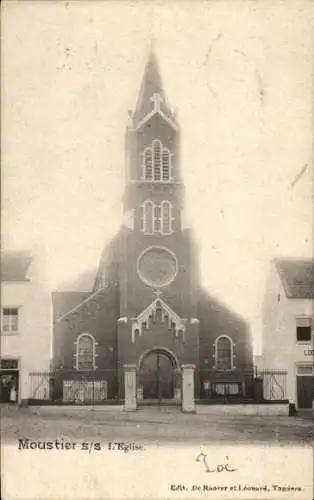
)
(158, 302)
(68, 303)
(297, 277)
(167, 314)
(15, 265)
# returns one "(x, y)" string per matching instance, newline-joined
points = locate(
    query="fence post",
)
(130, 388)
(188, 398)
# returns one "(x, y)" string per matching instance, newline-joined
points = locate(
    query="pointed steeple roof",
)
(151, 89)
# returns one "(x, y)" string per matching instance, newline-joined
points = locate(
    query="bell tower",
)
(158, 278)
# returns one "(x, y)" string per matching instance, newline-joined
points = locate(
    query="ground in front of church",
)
(152, 426)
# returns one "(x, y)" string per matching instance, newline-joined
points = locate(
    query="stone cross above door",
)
(157, 292)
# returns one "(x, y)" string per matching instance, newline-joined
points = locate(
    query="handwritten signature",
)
(202, 458)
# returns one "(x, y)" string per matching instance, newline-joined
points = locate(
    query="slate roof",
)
(297, 276)
(15, 265)
(67, 304)
(151, 84)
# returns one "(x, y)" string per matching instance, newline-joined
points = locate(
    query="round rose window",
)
(157, 266)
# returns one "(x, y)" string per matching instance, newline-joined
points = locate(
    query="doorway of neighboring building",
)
(305, 386)
(305, 391)
(157, 376)
(9, 387)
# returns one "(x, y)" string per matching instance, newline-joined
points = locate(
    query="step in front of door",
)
(165, 405)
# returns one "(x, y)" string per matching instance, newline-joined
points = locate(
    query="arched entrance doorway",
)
(158, 375)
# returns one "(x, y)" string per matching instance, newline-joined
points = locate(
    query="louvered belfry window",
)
(157, 163)
(165, 165)
(157, 148)
(148, 162)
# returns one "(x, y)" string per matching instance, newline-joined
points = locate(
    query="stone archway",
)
(158, 371)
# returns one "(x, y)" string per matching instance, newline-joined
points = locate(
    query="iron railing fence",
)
(102, 386)
(253, 385)
(75, 388)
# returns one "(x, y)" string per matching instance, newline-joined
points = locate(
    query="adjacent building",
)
(147, 309)
(26, 324)
(288, 326)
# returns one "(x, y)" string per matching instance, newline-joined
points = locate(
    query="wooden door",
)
(305, 388)
(157, 376)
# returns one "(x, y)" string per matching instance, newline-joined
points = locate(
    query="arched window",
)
(157, 151)
(158, 313)
(156, 218)
(166, 216)
(147, 217)
(157, 163)
(85, 352)
(165, 164)
(148, 164)
(224, 353)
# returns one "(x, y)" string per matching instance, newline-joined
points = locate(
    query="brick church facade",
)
(147, 308)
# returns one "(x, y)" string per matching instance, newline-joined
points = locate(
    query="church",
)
(147, 309)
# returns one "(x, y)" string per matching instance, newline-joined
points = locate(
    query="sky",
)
(241, 79)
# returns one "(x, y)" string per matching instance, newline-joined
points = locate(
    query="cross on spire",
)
(156, 99)
(151, 84)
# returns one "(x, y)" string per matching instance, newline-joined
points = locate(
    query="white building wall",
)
(32, 343)
(280, 348)
(296, 352)
(272, 319)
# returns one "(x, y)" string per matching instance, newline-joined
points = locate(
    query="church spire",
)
(151, 91)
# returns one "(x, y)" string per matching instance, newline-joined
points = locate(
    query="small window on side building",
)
(304, 329)
(10, 319)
